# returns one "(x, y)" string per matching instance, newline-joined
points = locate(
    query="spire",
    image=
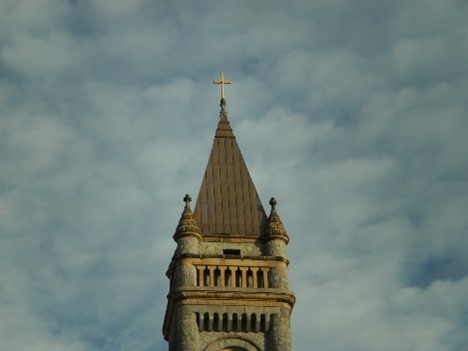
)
(224, 129)
(274, 228)
(228, 203)
(187, 224)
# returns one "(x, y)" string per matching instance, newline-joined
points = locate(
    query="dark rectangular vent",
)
(232, 252)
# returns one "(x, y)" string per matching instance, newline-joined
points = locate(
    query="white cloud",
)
(42, 58)
(353, 116)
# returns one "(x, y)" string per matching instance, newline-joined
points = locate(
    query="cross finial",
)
(273, 203)
(222, 82)
(187, 199)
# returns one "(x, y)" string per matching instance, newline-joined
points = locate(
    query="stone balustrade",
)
(227, 322)
(232, 276)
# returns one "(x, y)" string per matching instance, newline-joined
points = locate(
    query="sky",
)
(353, 114)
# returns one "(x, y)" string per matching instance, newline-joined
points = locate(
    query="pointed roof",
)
(187, 224)
(274, 228)
(228, 203)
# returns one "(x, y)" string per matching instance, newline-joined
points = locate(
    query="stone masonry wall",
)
(259, 339)
(187, 245)
(186, 336)
(280, 332)
(276, 247)
(216, 248)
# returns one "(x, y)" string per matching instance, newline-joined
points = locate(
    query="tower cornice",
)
(268, 297)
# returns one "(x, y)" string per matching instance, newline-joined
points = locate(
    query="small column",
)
(254, 276)
(219, 325)
(257, 323)
(210, 322)
(229, 322)
(212, 269)
(244, 276)
(200, 270)
(265, 277)
(222, 270)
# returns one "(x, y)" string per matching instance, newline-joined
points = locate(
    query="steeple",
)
(228, 276)
(228, 203)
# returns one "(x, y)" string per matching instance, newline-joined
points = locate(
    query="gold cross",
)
(222, 82)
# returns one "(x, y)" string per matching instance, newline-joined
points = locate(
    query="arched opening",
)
(232, 344)
(244, 323)
(254, 324)
(206, 277)
(228, 277)
(238, 278)
(235, 324)
(216, 324)
(217, 277)
(225, 323)
(206, 321)
(260, 282)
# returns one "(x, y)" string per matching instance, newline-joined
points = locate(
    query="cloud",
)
(352, 115)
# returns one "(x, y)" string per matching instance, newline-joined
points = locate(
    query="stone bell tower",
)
(228, 276)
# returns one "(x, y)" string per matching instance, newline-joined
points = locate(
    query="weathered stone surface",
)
(280, 332)
(229, 284)
(246, 249)
(187, 245)
(185, 275)
(186, 336)
(221, 341)
(278, 278)
(276, 248)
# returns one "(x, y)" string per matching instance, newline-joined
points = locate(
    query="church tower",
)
(228, 276)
